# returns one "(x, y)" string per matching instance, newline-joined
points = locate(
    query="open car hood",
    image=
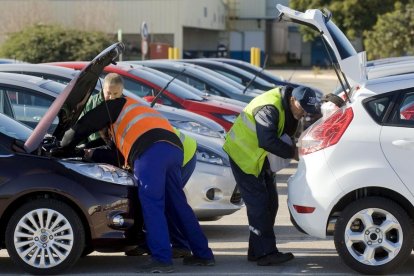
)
(351, 64)
(70, 103)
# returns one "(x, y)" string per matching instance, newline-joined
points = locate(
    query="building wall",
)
(179, 23)
(251, 9)
(163, 17)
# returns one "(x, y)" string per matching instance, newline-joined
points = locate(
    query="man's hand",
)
(88, 154)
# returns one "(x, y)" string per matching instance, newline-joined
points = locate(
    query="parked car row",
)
(51, 209)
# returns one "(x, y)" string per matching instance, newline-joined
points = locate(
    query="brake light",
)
(326, 132)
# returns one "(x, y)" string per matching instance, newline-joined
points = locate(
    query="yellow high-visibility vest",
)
(241, 142)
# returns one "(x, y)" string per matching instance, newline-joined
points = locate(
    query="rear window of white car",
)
(377, 107)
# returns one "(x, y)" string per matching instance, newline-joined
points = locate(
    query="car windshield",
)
(345, 48)
(162, 82)
(176, 81)
(13, 128)
(225, 79)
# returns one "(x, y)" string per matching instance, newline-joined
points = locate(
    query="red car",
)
(145, 83)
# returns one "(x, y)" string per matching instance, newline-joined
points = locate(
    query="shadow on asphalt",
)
(225, 265)
(239, 233)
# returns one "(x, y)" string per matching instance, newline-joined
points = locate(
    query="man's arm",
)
(94, 120)
(267, 119)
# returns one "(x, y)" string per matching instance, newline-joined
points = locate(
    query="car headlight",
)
(195, 127)
(209, 156)
(229, 118)
(103, 172)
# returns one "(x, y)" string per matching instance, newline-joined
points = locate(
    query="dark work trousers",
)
(261, 200)
(160, 189)
(177, 238)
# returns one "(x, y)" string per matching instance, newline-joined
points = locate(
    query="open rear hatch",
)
(349, 65)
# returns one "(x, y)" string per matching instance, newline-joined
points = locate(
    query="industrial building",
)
(198, 28)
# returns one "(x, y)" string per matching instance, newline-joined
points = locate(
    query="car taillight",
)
(326, 132)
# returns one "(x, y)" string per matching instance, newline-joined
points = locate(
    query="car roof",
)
(41, 68)
(22, 80)
(197, 70)
(390, 83)
(230, 67)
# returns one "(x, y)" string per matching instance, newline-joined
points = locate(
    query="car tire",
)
(45, 237)
(374, 235)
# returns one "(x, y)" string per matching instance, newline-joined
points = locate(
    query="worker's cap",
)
(307, 99)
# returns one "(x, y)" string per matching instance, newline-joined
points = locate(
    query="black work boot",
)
(138, 251)
(154, 266)
(178, 252)
(275, 258)
(196, 261)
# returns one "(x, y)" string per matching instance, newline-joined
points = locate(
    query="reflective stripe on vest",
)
(189, 146)
(241, 142)
(134, 120)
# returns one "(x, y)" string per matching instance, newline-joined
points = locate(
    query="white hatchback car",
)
(354, 179)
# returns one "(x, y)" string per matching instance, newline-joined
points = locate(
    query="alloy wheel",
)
(373, 236)
(43, 238)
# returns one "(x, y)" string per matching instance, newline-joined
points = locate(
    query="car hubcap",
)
(43, 238)
(373, 236)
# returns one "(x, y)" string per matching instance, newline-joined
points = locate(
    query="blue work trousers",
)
(177, 238)
(261, 199)
(160, 189)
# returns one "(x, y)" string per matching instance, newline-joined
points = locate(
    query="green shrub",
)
(47, 43)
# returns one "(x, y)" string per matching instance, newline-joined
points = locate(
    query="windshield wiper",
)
(165, 87)
(257, 73)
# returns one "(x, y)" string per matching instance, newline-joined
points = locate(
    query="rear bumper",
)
(313, 185)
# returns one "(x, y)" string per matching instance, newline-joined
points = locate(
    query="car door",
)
(397, 138)
(27, 106)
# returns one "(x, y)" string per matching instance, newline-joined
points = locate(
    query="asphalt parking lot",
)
(228, 236)
(228, 239)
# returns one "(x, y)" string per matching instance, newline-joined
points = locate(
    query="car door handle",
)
(405, 144)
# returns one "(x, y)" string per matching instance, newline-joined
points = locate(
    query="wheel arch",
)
(39, 195)
(363, 193)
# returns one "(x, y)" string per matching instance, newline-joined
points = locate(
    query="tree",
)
(46, 43)
(353, 17)
(393, 34)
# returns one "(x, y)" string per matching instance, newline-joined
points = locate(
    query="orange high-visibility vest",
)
(134, 120)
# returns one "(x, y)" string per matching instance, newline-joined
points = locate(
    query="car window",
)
(137, 88)
(192, 82)
(230, 76)
(13, 128)
(377, 107)
(55, 78)
(28, 106)
(213, 91)
(406, 109)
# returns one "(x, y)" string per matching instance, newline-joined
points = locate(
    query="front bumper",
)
(116, 219)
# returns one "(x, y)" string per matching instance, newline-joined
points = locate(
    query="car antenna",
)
(165, 87)
(257, 73)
